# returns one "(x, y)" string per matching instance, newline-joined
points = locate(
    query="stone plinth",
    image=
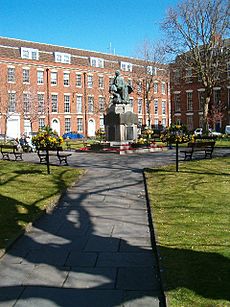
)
(120, 123)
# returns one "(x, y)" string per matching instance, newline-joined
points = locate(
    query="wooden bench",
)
(204, 146)
(8, 150)
(58, 152)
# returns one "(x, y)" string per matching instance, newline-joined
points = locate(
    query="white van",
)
(227, 130)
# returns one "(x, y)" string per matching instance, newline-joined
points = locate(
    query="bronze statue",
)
(120, 89)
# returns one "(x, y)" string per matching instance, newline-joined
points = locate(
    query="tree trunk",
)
(205, 114)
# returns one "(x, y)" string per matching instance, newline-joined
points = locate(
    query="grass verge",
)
(191, 215)
(26, 191)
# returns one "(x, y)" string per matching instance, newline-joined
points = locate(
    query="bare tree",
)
(149, 73)
(197, 31)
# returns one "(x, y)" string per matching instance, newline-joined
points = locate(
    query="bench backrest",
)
(202, 144)
(8, 146)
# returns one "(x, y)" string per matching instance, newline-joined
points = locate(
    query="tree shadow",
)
(205, 273)
(75, 257)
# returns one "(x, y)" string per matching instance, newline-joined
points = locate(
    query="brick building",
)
(188, 94)
(67, 88)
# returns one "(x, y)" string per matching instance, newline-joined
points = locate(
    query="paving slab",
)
(94, 248)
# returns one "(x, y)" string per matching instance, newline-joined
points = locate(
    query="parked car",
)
(227, 130)
(198, 131)
(73, 135)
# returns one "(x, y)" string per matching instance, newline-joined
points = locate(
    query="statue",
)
(120, 90)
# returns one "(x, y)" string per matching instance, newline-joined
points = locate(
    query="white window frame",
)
(80, 124)
(40, 76)
(155, 106)
(53, 81)
(151, 70)
(78, 80)
(26, 75)
(97, 62)
(126, 66)
(66, 78)
(61, 57)
(79, 106)
(29, 53)
(66, 103)
(54, 110)
(11, 74)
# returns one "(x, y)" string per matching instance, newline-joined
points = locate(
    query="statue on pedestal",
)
(120, 90)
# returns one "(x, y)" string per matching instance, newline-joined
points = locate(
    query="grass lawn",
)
(25, 191)
(191, 215)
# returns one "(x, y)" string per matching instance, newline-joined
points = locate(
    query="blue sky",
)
(99, 25)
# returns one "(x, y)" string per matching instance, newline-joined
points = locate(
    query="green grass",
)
(191, 214)
(26, 191)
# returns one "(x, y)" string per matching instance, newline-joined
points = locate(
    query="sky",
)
(108, 26)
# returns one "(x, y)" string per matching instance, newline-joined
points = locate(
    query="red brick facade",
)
(186, 98)
(67, 88)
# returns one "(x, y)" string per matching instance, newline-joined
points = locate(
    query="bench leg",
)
(5, 156)
(63, 159)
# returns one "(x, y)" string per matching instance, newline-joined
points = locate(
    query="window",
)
(216, 96)
(177, 102)
(188, 75)
(11, 102)
(26, 102)
(90, 104)
(151, 70)
(54, 100)
(79, 124)
(67, 125)
(139, 86)
(189, 101)
(97, 62)
(41, 103)
(101, 82)
(40, 77)
(201, 99)
(66, 103)
(155, 106)
(26, 75)
(139, 106)
(125, 66)
(90, 81)
(61, 57)
(41, 123)
(66, 79)
(177, 76)
(101, 104)
(53, 78)
(78, 80)
(11, 74)
(163, 88)
(164, 122)
(155, 87)
(163, 107)
(29, 53)
(79, 104)
(131, 102)
(190, 122)
(102, 126)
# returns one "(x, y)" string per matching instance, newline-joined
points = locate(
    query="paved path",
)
(95, 248)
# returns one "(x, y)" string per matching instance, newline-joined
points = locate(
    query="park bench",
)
(206, 147)
(57, 152)
(8, 150)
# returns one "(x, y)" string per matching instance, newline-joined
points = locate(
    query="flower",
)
(47, 138)
(175, 134)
